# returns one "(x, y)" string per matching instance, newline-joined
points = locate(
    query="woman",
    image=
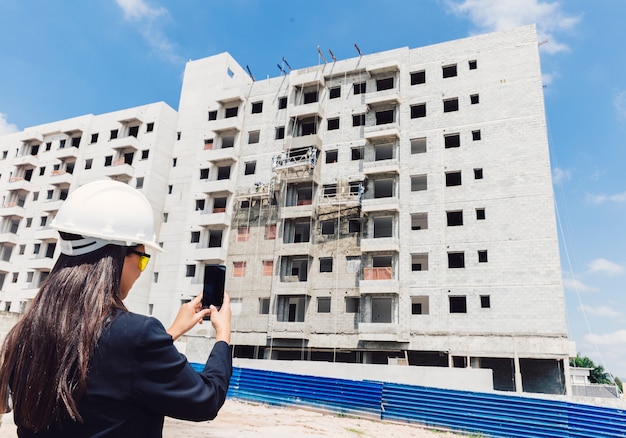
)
(78, 363)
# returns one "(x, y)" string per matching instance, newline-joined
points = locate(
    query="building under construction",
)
(394, 207)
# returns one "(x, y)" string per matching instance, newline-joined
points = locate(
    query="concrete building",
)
(390, 208)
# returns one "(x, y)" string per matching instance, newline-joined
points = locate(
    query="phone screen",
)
(213, 292)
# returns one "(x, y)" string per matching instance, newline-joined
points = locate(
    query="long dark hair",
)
(45, 356)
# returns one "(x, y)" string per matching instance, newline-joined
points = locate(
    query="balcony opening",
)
(384, 117)
(223, 172)
(419, 221)
(383, 227)
(231, 112)
(299, 194)
(383, 188)
(383, 152)
(310, 96)
(219, 205)
(133, 131)
(294, 269)
(297, 231)
(228, 141)
(215, 238)
(382, 310)
(384, 84)
(291, 308)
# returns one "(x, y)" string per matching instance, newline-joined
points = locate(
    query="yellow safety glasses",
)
(143, 258)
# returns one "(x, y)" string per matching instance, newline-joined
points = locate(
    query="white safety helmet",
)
(103, 213)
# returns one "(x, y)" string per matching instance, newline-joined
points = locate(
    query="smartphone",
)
(213, 292)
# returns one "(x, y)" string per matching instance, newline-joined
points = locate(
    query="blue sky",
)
(75, 57)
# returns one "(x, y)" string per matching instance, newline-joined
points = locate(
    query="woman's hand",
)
(221, 320)
(189, 315)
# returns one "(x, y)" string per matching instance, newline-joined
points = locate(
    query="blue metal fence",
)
(487, 414)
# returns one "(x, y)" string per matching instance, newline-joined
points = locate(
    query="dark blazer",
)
(137, 376)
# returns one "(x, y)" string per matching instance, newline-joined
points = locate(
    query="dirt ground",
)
(246, 420)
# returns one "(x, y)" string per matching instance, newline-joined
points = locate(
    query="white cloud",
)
(139, 9)
(496, 15)
(560, 176)
(601, 311)
(577, 285)
(620, 104)
(612, 339)
(149, 27)
(605, 266)
(5, 126)
(601, 199)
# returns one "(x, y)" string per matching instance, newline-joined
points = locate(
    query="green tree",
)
(597, 373)
(618, 382)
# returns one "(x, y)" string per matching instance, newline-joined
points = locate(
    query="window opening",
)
(456, 260)
(419, 183)
(458, 304)
(419, 262)
(419, 221)
(455, 218)
(452, 141)
(418, 111)
(418, 77)
(257, 107)
(453, 179)
(482, 256)
(326, 264)
(418, 145)
(450, 105)
(323, 305)
(449, 71)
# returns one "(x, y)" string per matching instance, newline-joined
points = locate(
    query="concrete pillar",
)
(518, 375)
